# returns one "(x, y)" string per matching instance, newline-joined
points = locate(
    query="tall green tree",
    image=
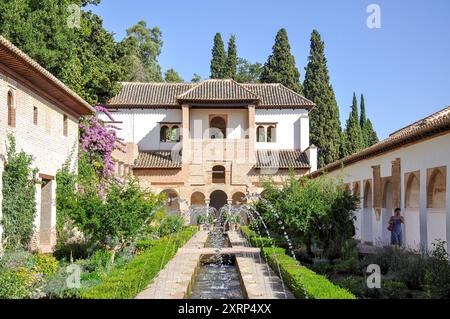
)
(248, 72)
(140, 50)
(232, 59)
(219, 58)
(369, 134)
(324, 118)
(196, 78)
(84, 57)
(172, 76)
(354, 135)
(280, 66)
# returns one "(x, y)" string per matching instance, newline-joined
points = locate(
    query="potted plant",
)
(202, 222)
(234, 221)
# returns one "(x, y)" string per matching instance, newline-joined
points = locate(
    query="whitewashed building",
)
(42, 114)
(408, 170)
(211, 141)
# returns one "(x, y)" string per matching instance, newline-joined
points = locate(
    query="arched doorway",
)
(172, 201)
(218, 199)
(367, 214)
(412, 211)
(218, 127)
(197, 208)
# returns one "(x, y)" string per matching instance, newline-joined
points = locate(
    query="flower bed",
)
(127, 281)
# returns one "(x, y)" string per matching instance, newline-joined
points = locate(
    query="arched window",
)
(271, 134)
(164, 133)
(218, 174)
(35, 115)
(436, 189)
(218, 128)
(261, 133)
(175, 134)
(11, 110)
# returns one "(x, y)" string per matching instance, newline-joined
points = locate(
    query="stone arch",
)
(436, 189)
(218, 127)
(172, 201)
(163, 133)
(198, 198)
(238, 198)
(356, 190)
(387, 193)
(412, 195)
(386, 211)
(218, 174)
(218, 199)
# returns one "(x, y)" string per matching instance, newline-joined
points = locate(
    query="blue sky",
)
(403, 68)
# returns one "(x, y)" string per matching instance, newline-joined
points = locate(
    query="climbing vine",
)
(19, 198)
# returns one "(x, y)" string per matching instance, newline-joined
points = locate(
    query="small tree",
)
(19, 199)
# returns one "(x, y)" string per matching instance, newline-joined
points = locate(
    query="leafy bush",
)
(19, 204)
(302, 281)
(349, 266)
(393, 289)
(144, 244)
(100, 261)
(170, 224)
(437, 278)
(248, 233)
(261, 242)
(390, 289)
(66, 251)
(127, 281)
(12, 285)
(45, 264)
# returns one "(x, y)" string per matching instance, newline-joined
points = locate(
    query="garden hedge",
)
(127, 281)
(297, 276)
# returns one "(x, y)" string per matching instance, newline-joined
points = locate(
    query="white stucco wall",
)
(44, 141)
(423, 225)
(292, 128)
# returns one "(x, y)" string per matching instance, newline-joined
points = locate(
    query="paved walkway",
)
(175, 280)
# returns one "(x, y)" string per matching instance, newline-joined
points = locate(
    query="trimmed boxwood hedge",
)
(254, 239)
(293, 274)
(127, 281)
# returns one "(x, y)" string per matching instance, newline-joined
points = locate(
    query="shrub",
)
(76, 251)
(437, 278)
(170, 224)
(349, 266)
(45, 264)
(12, 286)
(390, 289)
(127, 281)
(393, 289)
(302, 281)
(261, 242)
(248, 233)
(100, 261)
(144, 244)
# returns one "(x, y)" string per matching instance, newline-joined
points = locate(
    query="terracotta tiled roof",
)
(277, 95)
(171, 95)
(16, 60)
(281, 159)
(157, 159)
(432, 125)
(134, 94)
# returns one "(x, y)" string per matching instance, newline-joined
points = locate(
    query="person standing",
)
(395, 227)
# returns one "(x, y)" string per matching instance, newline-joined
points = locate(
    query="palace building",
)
(42, 114)
(211, 142)
(408, 170)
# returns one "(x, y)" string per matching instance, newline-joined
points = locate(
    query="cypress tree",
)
(354, 136)
(369, 134)
(232, 59)
(280, 66)
(219, 58)
(325, 125)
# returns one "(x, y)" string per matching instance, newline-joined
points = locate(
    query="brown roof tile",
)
(16, 60)
(434, 124)
(157, 159)
(171, 95)
(281, 159)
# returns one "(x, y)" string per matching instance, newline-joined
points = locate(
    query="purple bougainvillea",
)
(98, 141)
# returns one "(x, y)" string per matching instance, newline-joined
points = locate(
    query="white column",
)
(311, 153)
(304, 132)
(423, 208)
